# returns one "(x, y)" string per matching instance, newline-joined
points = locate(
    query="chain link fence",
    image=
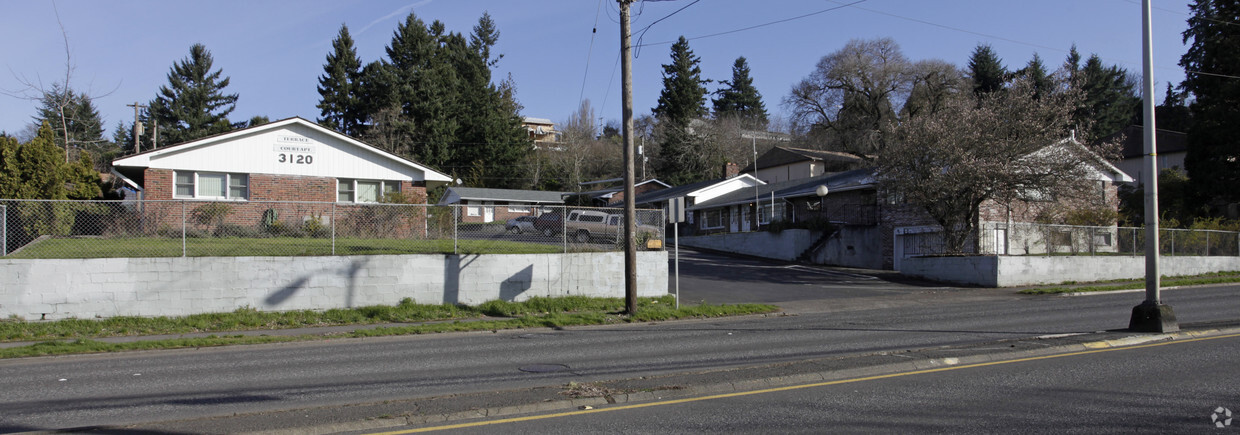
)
(176, 228)
(1045, 239)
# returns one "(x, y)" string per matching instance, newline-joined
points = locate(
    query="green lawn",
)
(265, 247)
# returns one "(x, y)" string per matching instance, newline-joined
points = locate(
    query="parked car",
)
(587, 225)
(550, 223)
(520, 225)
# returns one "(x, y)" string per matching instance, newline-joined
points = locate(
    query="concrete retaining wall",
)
(857, 246)
(89, 288)
(1010, 271)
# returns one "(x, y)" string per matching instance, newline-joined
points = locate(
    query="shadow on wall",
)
(285, 293)
(509, 289)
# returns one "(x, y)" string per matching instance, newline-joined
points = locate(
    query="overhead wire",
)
(589, 54)
(760, 25)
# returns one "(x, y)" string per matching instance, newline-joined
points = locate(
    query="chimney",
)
(731, 170)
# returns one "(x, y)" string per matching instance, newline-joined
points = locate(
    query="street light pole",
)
(1152, 315)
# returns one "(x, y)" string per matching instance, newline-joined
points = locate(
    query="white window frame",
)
(473, 210)
(764, 213)
(518, 208)
(717, 214)
(385, 187)
(194, 185)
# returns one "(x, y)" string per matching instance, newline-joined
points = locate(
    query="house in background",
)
(609, 192)
(541, 130)
(1172, 147)
(783, 163)
(873, 230)
(293, 170)
(489, 205)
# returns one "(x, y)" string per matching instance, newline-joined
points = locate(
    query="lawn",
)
(96, 247)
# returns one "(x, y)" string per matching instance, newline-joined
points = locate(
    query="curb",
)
(751, 384)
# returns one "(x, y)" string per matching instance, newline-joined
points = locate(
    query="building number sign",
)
(294, 150)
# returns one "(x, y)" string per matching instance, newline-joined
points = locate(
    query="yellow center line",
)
(792, 387)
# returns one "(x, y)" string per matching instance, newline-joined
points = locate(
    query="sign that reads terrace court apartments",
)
(294, 150)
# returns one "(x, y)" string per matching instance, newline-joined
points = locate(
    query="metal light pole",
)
(1152, 315)
(630, 208)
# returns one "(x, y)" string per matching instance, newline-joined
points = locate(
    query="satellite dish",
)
(821, 191)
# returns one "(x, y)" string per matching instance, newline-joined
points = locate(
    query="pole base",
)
(1153, 317)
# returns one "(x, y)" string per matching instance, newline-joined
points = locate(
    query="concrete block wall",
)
(1012, 271)
(109, 287)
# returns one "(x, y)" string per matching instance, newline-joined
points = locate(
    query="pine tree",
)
(1211, 63)
(1110, 99)
(81, 118)
(740, 99)
(339, 87)
(682, 100)
(986, 70)
(193, 105)
(1035, 71)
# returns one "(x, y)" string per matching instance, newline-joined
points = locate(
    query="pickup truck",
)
(586, 225)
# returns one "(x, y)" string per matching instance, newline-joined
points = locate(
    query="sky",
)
(558, 52)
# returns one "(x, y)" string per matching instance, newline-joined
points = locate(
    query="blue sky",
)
(274, 50)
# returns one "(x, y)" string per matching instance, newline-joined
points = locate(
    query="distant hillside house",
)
(541, 130)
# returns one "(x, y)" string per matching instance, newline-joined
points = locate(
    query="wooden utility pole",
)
(137, 125)
(630, 207)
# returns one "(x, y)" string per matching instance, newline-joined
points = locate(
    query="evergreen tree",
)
(1211, 63)
(1072, 63)
(80, 118)
(684, 92)
(33, 169)
(1035, 71)
(986, 70)
(1173, 114)
(682, 100)
(193, 105)
(740, 99)
(339, 87)
(1110, 99)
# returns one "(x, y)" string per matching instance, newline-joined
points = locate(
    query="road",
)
(1127, 390)
(116, 389)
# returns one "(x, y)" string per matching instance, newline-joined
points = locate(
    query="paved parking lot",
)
(718, 278)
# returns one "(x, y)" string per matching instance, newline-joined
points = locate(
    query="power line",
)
(638, 45)
(759, 25)
(585, 75)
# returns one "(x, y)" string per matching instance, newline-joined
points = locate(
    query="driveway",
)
(707, 277)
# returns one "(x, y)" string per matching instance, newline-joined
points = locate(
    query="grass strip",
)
(655, 309)
(1212, 278)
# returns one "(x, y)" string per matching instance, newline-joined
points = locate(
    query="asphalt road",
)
(1129, 390)
(851, 316)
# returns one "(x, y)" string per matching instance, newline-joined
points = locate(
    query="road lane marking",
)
(796, 387)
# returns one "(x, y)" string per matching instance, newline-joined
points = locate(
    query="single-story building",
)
(783, 163)
(609, 192)
(292, 171)
(488, 205)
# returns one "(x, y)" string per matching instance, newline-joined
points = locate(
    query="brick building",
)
(292, 171)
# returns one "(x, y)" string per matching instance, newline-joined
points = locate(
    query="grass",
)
(77, 336)
(1167, 281)
(265, 247)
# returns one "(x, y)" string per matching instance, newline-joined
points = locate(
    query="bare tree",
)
(1004, 147)
(59, 96)
(851, 95)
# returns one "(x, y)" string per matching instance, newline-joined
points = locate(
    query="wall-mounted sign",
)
(295, 150)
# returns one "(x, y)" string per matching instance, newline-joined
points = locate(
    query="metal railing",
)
(1046, 239)
(179, 228)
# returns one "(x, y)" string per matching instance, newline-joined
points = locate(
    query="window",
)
(518, 209)
(350, 190)
(473, 210)
(712, 219)
(765, 211)
(211, 185)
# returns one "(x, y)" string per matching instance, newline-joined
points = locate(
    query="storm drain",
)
(543, 368)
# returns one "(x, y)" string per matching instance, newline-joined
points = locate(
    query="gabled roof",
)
(693, 189)
(838, 182)
(608, 192)
(143, 159)
(512, 195)
(781, 155)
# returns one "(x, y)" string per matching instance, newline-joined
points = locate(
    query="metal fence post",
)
(333, 228)
(183, 219)
(456, 210)
(1207, 243)
(4, 230)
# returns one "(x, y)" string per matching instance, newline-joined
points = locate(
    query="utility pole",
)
(1152, 315)
(630, 208)
(137, 126)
